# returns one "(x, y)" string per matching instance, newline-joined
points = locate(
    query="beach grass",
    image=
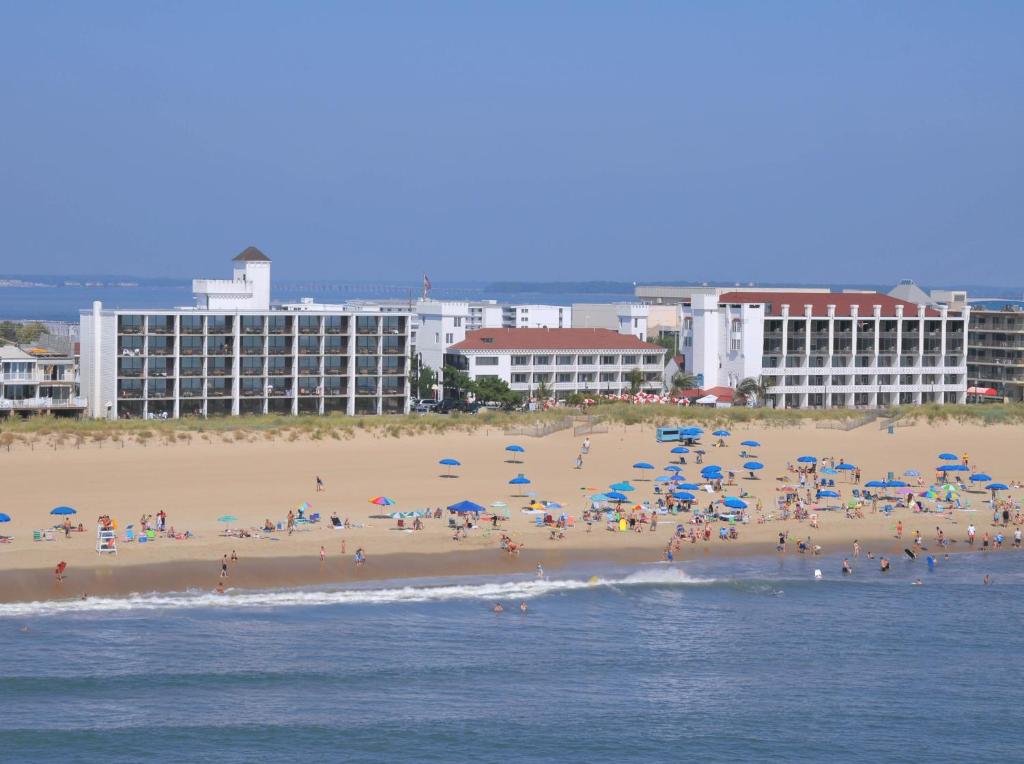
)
(78, 432)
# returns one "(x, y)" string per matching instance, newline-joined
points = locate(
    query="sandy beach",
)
(258, 479)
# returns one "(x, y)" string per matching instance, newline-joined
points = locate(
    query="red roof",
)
(553, 339)
(722, 393)
(819, 302)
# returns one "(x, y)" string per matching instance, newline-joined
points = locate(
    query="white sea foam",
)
(494, 591)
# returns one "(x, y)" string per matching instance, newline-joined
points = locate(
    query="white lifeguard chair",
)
(106, 541)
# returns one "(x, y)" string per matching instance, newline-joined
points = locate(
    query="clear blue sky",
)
(811, 141)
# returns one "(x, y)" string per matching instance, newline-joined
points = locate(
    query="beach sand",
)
(196, 483)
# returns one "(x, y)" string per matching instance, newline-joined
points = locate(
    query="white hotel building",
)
(565, 360)
(234, 353)
(827, 349)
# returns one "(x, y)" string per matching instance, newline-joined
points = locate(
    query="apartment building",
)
(995, 349)
(622, 317)
(536, 316)
(832, 349)
(38, 380)
(234, 353)
(565, 361)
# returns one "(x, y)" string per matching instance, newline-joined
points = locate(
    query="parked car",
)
(451, 405)
(424, 405)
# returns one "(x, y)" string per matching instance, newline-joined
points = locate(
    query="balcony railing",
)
(42, 403)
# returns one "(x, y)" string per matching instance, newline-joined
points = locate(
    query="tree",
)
(495, 390)
(635, 377)
(424, 382)
(670, 342)
(682, 380)
(457, 380)
(543, 392)
(31, 332)
(753, 389)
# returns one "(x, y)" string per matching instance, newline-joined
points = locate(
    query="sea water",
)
(727, 660)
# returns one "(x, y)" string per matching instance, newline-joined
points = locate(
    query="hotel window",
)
(542, 360)
(191, 324)
(609, 376)
(587, 360)
(366, 365)
(736, 345)
(687, 342)
(609, 360)
(458, 321)
(629, 360)
(563, 376)
(334, 344)
(218, 325)
(393, 325)
(334, 365)
(564, 360)
(520, 360)
(129, 324)
(335, 324)
(366, 325)
(252, 324)
(392, 364)
(449, 338)
(309, 365)
(487, 360)
(520, 379)
(366, 345)
(652, 359)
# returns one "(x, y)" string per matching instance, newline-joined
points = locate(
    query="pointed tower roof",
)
(251, 255)
(911, 292)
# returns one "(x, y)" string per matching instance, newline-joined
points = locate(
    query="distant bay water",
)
(63, 303)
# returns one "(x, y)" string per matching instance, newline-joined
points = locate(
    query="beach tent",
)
(465, 506)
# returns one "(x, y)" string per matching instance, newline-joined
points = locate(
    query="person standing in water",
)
(540, 570)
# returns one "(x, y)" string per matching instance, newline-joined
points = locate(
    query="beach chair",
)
(335, 523)
(280, 526)
(571, 521)
(315, 517)
(37, 535)
(856, 493)
(49, 535)
(539, 521)
(401, 523)
(505, 514)
(451, 523)
(129, 534)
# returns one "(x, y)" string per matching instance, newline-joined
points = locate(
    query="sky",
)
(807, 141)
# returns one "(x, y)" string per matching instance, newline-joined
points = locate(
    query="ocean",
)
(717, 660)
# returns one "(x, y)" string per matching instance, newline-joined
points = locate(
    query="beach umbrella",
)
(688, 487)
(664, 478)
(519, 479)
(63, 511)
(895, 484)
(599, 497)
(622, 487)
(828, 471)
(680, 450)
(514, 450)
(875, 484)
(712, 470)
(949, 457)
(4, 517)
(449, 463)
(952, 468)
(721, 433)
(911, 473)
(808, 459)
(733, 503)
(498, 504)
(844, 466)
(683, 496)
(980, 477)
(465, 506)
(616, 496)
(382, 501)
(673, 468)
(827, 494)
(227, 519)
(751, 443)
(643, 466)
(998, 487)
(753, 466)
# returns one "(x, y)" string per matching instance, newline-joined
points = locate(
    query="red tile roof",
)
(819, 302)
(722, 393)
(553, 339)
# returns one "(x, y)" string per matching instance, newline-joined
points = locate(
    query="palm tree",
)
(635, 377)
(682, 380)
(753, 389)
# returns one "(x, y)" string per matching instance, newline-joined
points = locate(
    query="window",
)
(520, 379)
(520, 360)
(735, 345)
(587, 360)
(609, 360)
(687, 342)
(487, 360)
(564, 360)
(652, 359)
(629, 360)
(458, 321)
(542, 360)
(563, 376)
(449, 338)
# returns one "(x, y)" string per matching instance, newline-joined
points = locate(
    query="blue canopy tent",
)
(465, 507)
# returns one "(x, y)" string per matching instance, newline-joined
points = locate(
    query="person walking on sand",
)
(579, 461)
(343, 546)
(970, 534)
(899, 529)
(59, 571)
(540, 570)
(586, 445)
(319, 484)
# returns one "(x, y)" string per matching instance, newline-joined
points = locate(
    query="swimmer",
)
(817, 574)
(847, 570)
(24, 629)
(987, 580)
(884, 566)
(917, 582)
(522, 606)
(498, 608)
(84, 597)
(220, 587)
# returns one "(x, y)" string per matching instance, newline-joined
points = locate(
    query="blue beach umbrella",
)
(911, 473)
(998, 487)
(673, 468)
(466, 506)
(947, 457)
(733, 503)
(683, 496)
(643, 466)
(616, 496)
(449, 463)
(711, 469)
(63, 511)
(828, 471)
(519, 479)
(514, 449)
(664, 479)
(827, 494)
(622, 487)
(688, 487)
(680, 450)
(952, 468)
(751, 443)
(721, 433)
(875, 484)
(846, 466)
(753, 466)
(691, 432)
(980, 477)
(599, 497)
(808, 459)
(4, 517)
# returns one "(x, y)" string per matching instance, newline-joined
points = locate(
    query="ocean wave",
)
(492, 591)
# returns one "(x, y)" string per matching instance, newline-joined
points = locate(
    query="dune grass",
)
(77, 432)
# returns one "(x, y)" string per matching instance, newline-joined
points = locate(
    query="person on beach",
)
(360, 557)
(59, 571)
(234, 556)
(847, 570)
(319, 484)
(323, 554)
(856, 549)
(899, 529)
(884, 565)
(522, 606)
(579, 461)
(586, 445)
(540, 570)
(970, 534)
(343, 546)
(291, 522)
(498, 608)
(220, 588)
(224, 566)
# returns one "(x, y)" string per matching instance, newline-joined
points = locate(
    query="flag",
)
(426, 285)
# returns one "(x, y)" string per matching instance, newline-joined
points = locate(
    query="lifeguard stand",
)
(106, 540)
